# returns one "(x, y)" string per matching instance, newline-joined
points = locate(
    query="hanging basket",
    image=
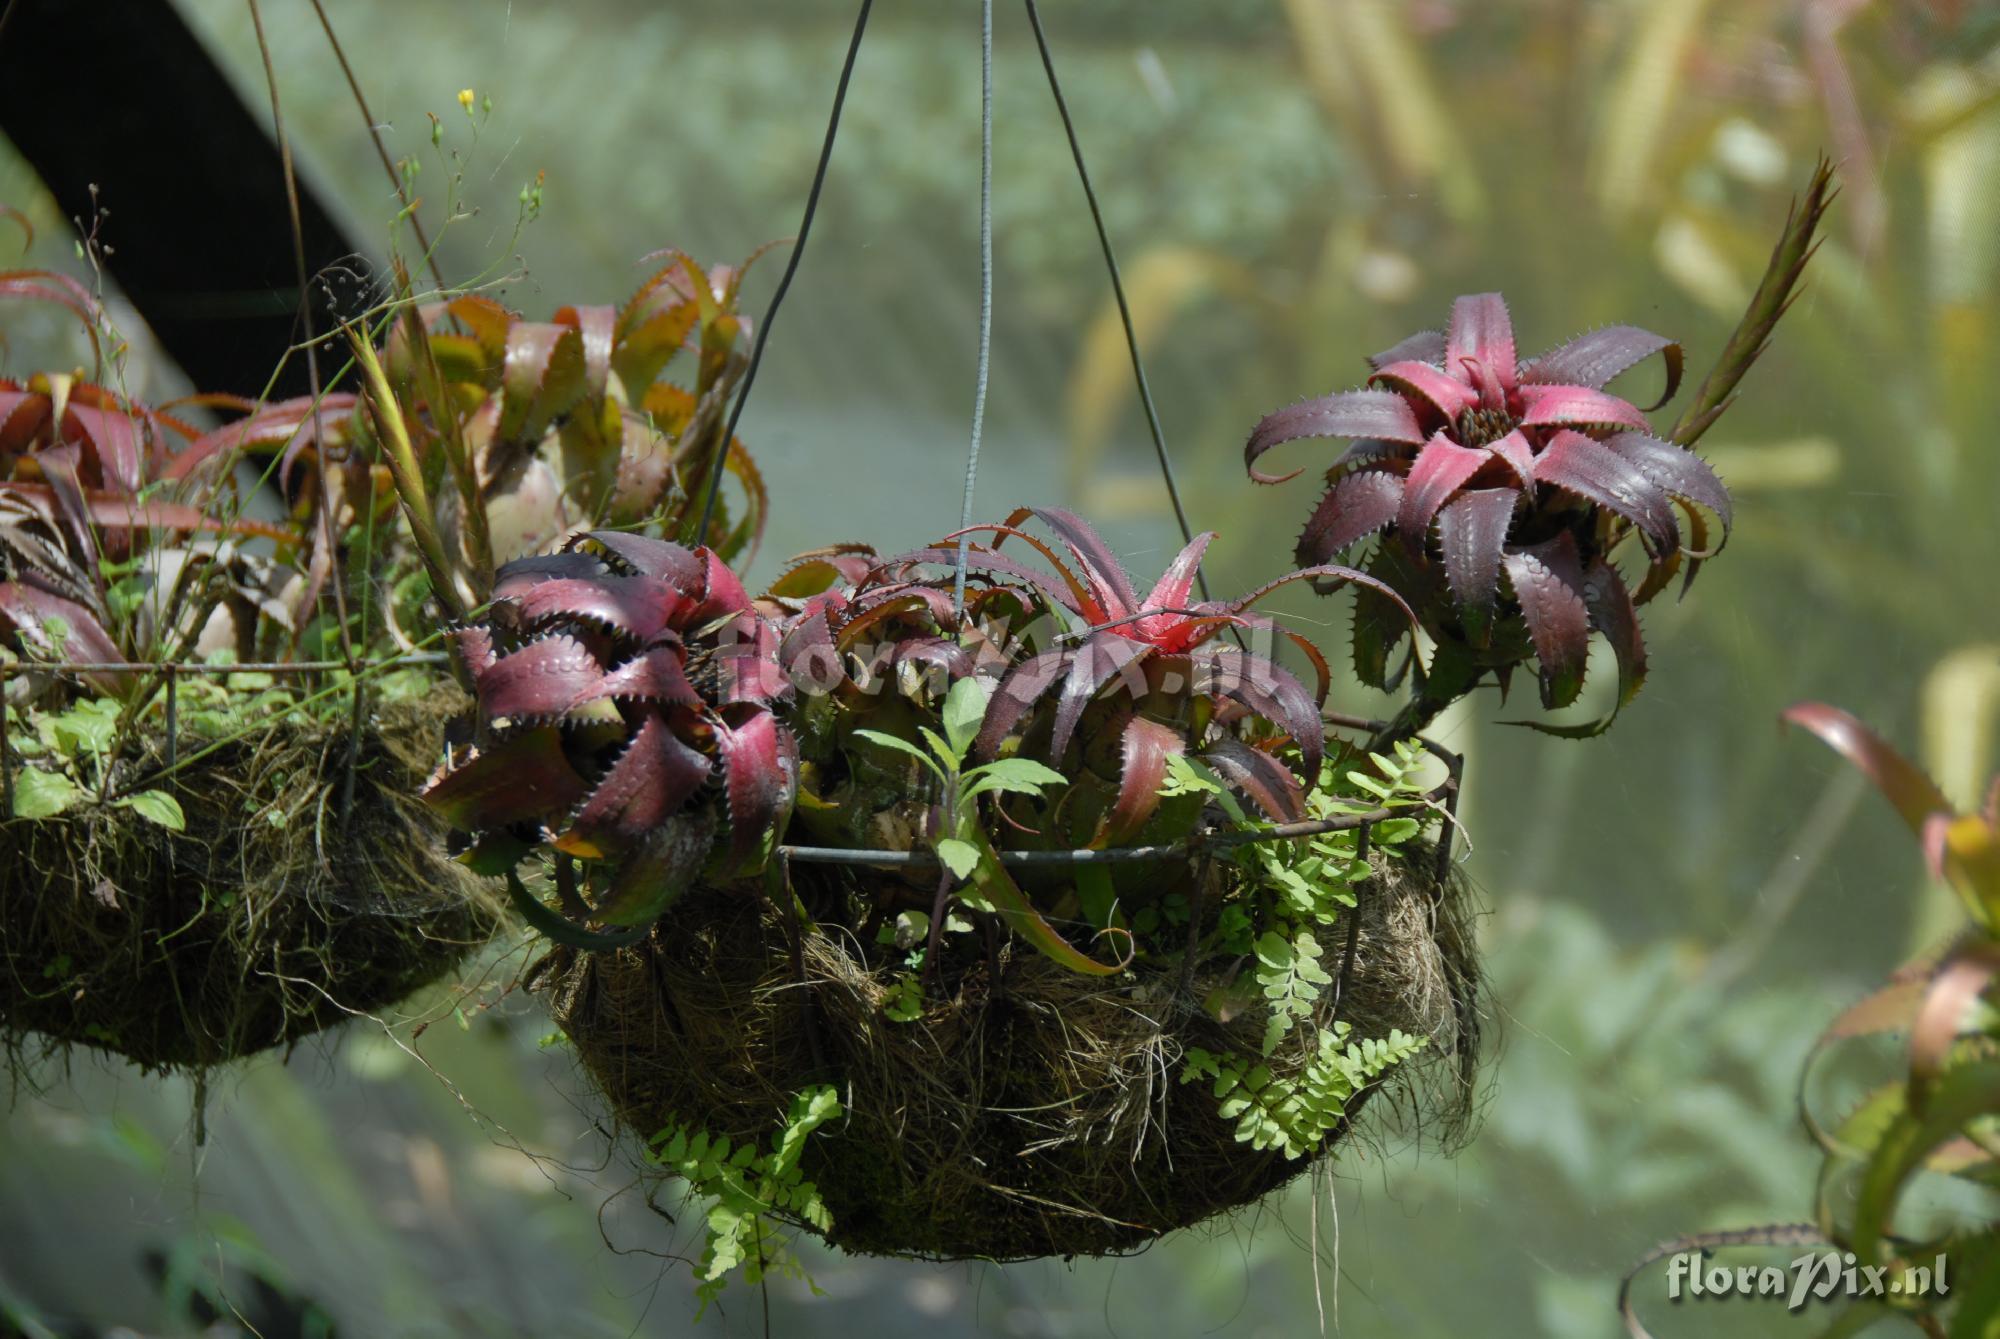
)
(1044, 1116)
(265, 920)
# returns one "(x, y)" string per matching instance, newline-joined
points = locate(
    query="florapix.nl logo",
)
(1816, 1276)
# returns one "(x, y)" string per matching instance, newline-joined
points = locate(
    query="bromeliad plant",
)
(624, 690)
(1908, 1173)
(1501, 491)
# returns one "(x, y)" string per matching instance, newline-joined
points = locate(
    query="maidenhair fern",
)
(745, 1186)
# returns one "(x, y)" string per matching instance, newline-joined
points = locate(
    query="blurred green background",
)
(1675, 910)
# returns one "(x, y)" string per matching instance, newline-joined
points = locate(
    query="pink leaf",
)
(1426, 346)
(1441, 469)
(1482, 333)
(1577, 406)
(648, 784)
(1171, 590)
(759, 765)
(1676, 469)
(1444, 393)
(1099, 660)
(658, 675)
(523, 778)
(1904, 784)
(1148, 745)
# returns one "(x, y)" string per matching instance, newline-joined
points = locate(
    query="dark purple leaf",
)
(1148, 745)
(645, 882)
(655, 775)
(1383, 415)
(635, 608)
(1591, 470)
(1548, 585)
(1676, 469)
(1611, 613)
(658, 675)
(1472, 531)
(1593, 359)
(1101, 568)
(1026, 684)
(522, 574)
(672, 563)
(1268, 782)
(1355, 507)
(1441, 469)
(1426, 346)
(808, 656)
(1101, 658)
(1270, 690)
(523, 778)
(113, 435)
(544, 678)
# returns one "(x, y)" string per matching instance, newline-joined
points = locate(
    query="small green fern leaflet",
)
(1294, 1116)
(745, 1187)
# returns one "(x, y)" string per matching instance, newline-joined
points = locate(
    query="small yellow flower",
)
(465, 98)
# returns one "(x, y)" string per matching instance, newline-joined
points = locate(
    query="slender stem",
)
(718, 465)
(381, 149)
(409, 479)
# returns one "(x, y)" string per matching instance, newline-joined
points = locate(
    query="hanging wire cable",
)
(985, 293)
(1117, 288)
(721, 461)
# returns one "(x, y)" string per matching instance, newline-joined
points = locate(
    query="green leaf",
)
(964, 710)
(157, 806)
(960, 857)
(902, 746)
(1020, 776)
(39, 794)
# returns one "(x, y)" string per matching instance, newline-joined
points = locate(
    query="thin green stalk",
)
(1775, 293)
(409, 479)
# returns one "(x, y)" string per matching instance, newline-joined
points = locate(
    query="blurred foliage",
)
(1294, 183)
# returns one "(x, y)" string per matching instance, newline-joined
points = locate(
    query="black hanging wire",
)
(985, 294)
(1117, 288)
(721, 461)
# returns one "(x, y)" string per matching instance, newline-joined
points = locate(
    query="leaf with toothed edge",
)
(1441, 469)
(1548, 585)
(1481, 332)
(1357, 506)
(655, 775)
(648, 879)
(1592, 471)
(1147, 746)
(1102, 658)
(544, 678)
(523, 574)
(1379, 415)
(1268, 689)
(759, 770)
(1676, 469)
(1595, 358)
(1268, 782)
(1172, 589)
(1577, 406)
(522, 778)
(658, 675)
(636, 608)
(1426, 346)
(1101, 569)
(1025, 684)
(542, 378)
(1472, 533)
(1611, 613)
(673, 563)
(1446, 395)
